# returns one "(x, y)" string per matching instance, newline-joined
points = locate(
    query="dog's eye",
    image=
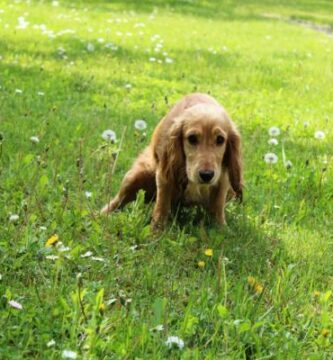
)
(193, 139)
(219, 140)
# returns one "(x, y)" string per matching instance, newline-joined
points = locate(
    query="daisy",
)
(69, 354)
(16, 305)
(272, 141)
(88, 194)
(13, 217)
(319, 135)
(271, 158)
(109, 135)
(174, 340)
(274, 131)
(34, 139)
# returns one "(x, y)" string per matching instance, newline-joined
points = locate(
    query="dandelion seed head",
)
(140, 124)
(273, 141)
(274, 131)
(109, 135)
(88, 194)
(271, 158)
(319, 135)
(69, 354)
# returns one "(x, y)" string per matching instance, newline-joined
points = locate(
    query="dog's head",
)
(203, 141)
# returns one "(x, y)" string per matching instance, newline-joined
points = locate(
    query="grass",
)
(265, 293)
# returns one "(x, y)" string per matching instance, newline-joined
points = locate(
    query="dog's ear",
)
(233, 162)
(173, 159)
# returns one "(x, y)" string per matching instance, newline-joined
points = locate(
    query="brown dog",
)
(193, 158)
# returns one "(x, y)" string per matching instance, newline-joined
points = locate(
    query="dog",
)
(194, 158)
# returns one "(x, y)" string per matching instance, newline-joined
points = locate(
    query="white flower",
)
(69, 354)
(50, 343)
(52, 257)
(0, 276)
(271, 158)
(128, 86)
(109, 135)
(272, 141)
(55, 3)
(88, 194)
(96, 258)
(42, 228)
(15, 305)
(140, 124)
(168, 60)
(174, 340)
(306, 124)
(23, 24)
(152, 59)
(18, 91)
(159, 327)
(90, 47)
(40, 93)
(87, 254)
(274, 131)
(34, 139)
(288, 164)
(13, 217)
(319, 135)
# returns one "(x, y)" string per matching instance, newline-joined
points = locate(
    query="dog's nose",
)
(206, 175)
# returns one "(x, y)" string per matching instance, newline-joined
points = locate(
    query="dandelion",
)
(271, 158)
(51, 343)
(251, 280)
(316, 293)
(174, 340)
(88, 194)
(168, 60)
(52, 240)
(274, 131)
(34, 139)
(90, 47)
(140, 125)
(69, 354)
(16, 305)
(201, 264)
(258, 288)
(272, 141)
(319, 135)
(208, 252)
(109, 135)
(13, 217)
(18, 91)
(325, 332)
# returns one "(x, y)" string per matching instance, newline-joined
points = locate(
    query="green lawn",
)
(71, 71)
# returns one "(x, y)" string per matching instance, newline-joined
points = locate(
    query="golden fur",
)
(193, 158)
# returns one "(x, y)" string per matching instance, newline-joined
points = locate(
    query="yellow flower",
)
(52, 240)
(316, 293)
(251, 280)
(258, 288)
(325, 332)
(101, 307)
(209, 252)
(201, 264)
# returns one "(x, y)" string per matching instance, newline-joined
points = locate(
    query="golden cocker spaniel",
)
(193, 158)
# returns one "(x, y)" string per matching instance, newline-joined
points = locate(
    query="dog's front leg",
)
(218, 198)
(163, 202)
